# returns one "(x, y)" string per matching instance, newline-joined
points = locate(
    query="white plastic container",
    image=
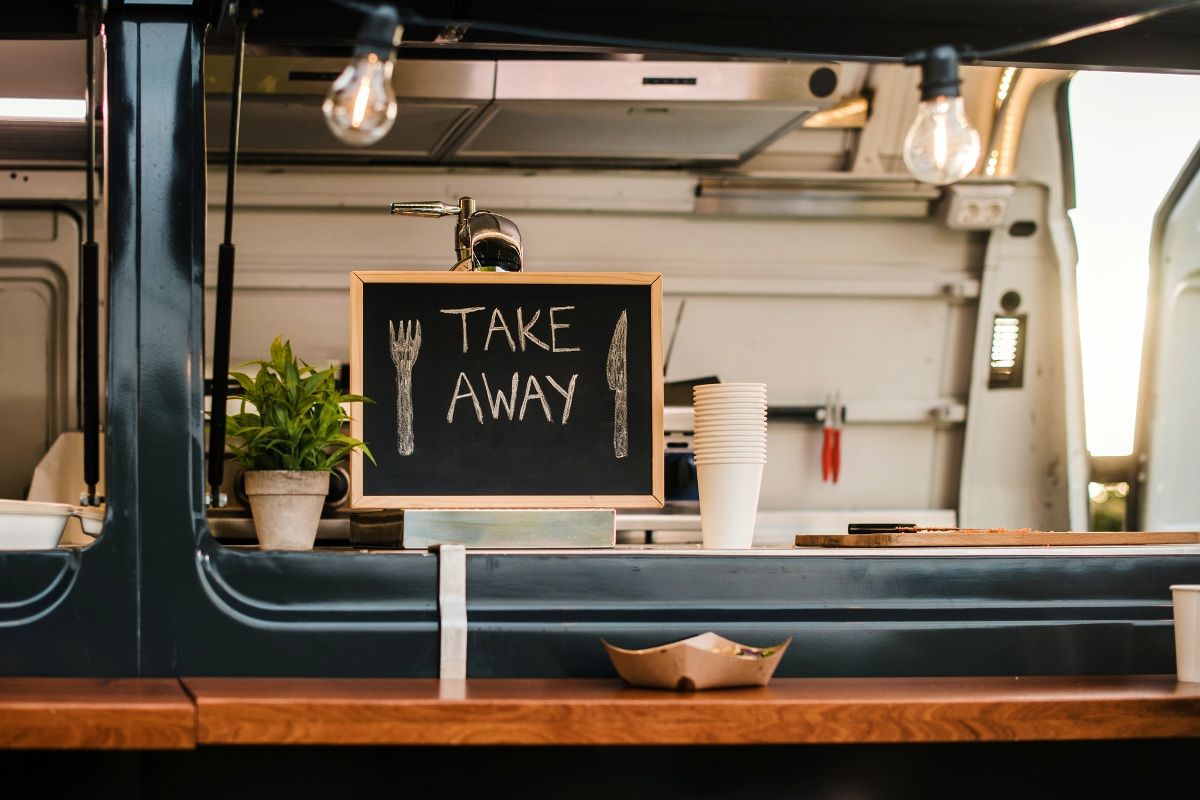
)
(32, 526)
(1186, 603)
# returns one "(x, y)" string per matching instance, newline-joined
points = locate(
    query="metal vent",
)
(1008, 351)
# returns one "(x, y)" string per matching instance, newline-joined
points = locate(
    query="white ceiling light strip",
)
(38, 108)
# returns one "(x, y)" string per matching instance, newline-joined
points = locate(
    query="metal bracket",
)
(91, 501)
(452, 610)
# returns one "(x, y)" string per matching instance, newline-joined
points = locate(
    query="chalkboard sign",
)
(507, 390)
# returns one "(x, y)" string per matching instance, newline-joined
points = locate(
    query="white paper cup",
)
(727, 391)
(715, 458)
(731, 397)
(750, 416)
(749, 401)
(731, 443)
(729, 438)
(733, 436)
(725, 444)
(740, 397)
(731, 414)
(716, 447)
(728, 503)
(708, 388)
(1186, 603)
(757, 439)
(732, 427)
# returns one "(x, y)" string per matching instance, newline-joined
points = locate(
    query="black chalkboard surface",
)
(507, 390)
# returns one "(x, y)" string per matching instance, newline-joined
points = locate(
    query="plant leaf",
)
(291, 415)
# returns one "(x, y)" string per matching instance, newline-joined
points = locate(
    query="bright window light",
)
(1132, 134)
(34, 108)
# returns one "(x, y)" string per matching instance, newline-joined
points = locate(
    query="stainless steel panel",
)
(612, 112)
(281, 110)
(294, 125)
(294, 75)
(630, 132)
(692, 81)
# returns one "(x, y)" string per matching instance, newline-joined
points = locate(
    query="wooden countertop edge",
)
(163, 713)
(791, 711)
(96, 714)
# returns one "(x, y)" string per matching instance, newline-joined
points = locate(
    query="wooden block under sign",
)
(493, 528)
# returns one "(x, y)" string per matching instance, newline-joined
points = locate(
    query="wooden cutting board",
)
(986, 538)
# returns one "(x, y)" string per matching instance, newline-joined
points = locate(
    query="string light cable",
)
(941, 147)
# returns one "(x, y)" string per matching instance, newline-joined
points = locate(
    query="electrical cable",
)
(235, 115)
(1078, 33)
(91, 124)
(223, 321)
(409, 17)
(90, 289)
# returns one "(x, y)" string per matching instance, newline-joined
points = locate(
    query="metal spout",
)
(483, 240)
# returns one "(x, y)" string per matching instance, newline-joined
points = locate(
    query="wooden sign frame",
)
(652, 280)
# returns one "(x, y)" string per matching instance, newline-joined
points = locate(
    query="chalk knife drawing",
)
(405, 340)
(618, 381)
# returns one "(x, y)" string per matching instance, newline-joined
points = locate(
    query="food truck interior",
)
(796, 249)
(752, 155)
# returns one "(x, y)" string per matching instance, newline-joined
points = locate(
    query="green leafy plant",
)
(296, 418)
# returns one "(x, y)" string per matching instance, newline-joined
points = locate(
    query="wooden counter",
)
(96, 713)
(789, 711)
(83, 713)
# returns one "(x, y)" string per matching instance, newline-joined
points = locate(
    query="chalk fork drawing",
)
(405, 340)
(618, 382)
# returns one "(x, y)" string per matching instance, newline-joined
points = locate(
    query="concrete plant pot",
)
(286, 506)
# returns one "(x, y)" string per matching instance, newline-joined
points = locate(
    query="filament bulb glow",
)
(361, 105)
(941, 146)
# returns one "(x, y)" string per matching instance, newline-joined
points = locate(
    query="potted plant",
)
(288, 436)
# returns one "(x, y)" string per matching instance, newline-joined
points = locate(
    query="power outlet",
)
(974, 208)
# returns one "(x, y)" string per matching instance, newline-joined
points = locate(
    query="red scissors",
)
(831, 442)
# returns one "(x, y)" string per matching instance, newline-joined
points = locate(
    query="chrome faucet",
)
(483, 241)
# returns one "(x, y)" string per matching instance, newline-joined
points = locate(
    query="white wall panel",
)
(863, 306)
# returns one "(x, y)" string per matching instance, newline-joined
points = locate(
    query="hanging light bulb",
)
(360, 107)
(941, 146)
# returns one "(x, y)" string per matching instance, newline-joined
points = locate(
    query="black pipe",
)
(225, 269)
(90, 289)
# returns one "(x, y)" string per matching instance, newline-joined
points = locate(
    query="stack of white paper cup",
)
(731, 448)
